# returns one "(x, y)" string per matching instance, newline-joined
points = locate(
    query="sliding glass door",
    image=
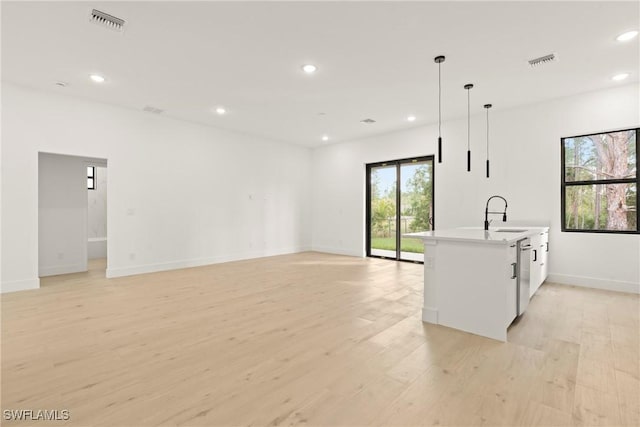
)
(399, 201)
(383, 230)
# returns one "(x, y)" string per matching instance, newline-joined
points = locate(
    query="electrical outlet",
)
(428, 261)
(131, 212)
(60, 255)
(132, 256)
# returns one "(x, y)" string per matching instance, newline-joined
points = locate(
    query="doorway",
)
(400, 200)
(71, 215)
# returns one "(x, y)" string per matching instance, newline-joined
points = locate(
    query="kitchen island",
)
(474, 280)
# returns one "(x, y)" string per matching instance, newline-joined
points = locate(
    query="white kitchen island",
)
(470, 278)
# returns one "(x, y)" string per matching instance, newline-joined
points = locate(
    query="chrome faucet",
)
(486, 212)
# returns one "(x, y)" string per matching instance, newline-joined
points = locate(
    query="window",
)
(91, 177)
(600, 182)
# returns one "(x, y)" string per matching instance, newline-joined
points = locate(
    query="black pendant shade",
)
(487, 106)
(439, 60)
(468, 87)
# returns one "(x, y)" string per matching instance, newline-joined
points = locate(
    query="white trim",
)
(55, 270)
(337, 251)
(20, 285)
(595, 283)
(198, 262)
(430, 315)
(97, 247)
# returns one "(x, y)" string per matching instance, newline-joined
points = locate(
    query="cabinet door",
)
(536, 271)
(544, 258)
(512, 284)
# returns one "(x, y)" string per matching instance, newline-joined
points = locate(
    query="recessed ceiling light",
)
(97, 78)
(627, 36)
(309, 68)
(620, 76)
(411, 118)
(221, 110)
(325, 138)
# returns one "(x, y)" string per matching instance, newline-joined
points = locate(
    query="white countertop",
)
(478, 235)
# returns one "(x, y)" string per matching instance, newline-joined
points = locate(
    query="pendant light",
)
(487, 106)
(439, 60)
(468, 87)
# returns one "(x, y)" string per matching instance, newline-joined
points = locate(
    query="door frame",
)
(398, 164)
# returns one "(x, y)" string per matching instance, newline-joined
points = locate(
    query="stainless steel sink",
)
(503, 230)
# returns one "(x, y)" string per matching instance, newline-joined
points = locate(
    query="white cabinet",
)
(469, 280)
(534, 259)
(512, 284)
(544, 257)
(539, 259)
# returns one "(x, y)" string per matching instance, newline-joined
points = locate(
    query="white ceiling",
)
(375, 59)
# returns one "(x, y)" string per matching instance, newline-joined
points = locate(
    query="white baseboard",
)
(430, 315)
(20, 285)
(61, 269)
(175, 265)
(97, 247)
(337, 251)
(591, 282)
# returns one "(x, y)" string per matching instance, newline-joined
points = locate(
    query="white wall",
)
(97, 204)
(180, 194)
(62, 219)
(525, 160)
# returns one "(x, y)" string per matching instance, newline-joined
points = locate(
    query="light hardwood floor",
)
(310, 339)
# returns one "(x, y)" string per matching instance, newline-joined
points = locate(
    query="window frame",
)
(92, 178)
(564, 184)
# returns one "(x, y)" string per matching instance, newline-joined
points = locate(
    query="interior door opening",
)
(72, 215)
(400, 200)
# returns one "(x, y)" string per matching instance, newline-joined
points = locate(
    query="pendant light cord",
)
(468, 119)
(439, 101)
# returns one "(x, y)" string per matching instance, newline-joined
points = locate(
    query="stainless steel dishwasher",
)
(524, 274)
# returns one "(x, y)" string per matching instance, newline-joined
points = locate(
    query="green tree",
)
(382, 213)
(375, 184)
(419, 188)
(383, 208)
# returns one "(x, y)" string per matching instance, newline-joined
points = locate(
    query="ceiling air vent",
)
(106, 20)
(367, 121)
(153, 110)
(542, 60)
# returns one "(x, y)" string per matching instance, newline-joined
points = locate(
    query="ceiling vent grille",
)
(106, 20)
(542, 60)
(367, 121)
(153, 110)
